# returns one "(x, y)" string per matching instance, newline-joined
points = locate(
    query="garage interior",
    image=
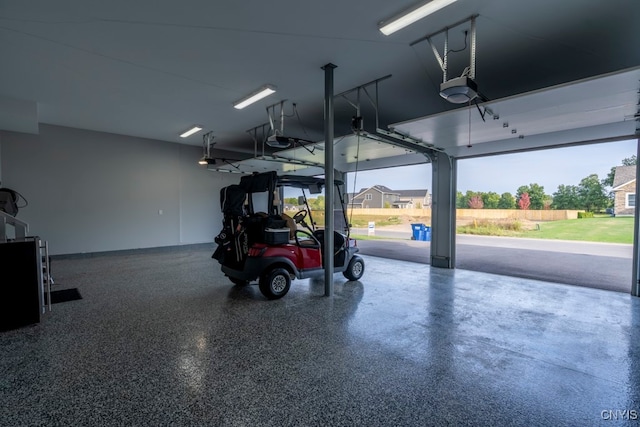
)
(93, 98)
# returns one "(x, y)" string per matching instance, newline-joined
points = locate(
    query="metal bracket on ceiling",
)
(389, 137)
(282, 159)
(207, 144)
(227, 162)
(227, 170)
(468, 75)
(280, 141)
(253, 132)
(443, 60)
(405, 141)
(486, 110)
(359, 90)
(271, 113)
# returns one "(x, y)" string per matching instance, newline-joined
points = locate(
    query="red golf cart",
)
(259, 242)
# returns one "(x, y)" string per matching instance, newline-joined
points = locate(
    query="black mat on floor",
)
(64, 295)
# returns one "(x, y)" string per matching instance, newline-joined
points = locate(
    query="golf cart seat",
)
(338, 245)
(291, 224)
(338, 240)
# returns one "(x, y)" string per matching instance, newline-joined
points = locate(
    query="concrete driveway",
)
(595, 265)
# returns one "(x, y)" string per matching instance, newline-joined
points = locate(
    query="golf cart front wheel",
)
(355, 269)
(275, 283)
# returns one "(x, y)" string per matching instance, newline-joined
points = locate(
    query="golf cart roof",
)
(305, 182)
(268, 181)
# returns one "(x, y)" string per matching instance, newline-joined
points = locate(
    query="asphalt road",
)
(595, 265)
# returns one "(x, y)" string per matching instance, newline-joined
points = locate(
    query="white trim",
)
(626, 200)
(619, 187)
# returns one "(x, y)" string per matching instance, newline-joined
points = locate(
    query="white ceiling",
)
(152, 68)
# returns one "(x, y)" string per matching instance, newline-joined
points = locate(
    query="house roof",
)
(358, 198)
(412, 193)
(380, 188)
(383, 189)
(624, 175)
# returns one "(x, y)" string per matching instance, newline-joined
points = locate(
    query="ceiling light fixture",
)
(263, 92)
(412, 15)
(194, 129)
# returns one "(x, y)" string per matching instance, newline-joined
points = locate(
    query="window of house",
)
(631, 200)
(368, 197)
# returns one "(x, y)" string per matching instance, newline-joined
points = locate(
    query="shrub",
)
(524, 202)
(475, 202)
(491, 228)
(394, 220)
(585, 215)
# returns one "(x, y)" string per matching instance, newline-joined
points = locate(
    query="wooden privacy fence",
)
(531, 215)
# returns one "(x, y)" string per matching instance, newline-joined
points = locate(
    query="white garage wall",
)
(91, 191)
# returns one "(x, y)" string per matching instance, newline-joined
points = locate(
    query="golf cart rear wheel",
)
(355, 269)
(275, 283)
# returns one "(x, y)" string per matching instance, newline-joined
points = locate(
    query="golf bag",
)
(232, 240)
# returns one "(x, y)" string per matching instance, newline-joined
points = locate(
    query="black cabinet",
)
(21, 284)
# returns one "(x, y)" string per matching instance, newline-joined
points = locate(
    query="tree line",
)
(591, 194)
(315, 204)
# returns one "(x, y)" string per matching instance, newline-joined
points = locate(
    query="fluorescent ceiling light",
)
(412, 15)
(263, 92)
(194, 129)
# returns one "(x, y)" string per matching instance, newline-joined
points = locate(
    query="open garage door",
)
(560, 215)
(574, 231)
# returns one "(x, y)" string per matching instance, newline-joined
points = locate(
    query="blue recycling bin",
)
(417, 231)
(421, 232)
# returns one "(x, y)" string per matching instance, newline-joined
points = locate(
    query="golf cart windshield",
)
(315, 185)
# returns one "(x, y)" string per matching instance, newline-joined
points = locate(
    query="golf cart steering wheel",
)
(300, 216)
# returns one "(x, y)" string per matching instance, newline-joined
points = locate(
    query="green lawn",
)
(603, 229)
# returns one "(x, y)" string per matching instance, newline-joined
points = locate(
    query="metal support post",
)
(443, 211)
(635, 285)
(329, 178)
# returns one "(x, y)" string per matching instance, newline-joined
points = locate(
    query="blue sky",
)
(505, 173)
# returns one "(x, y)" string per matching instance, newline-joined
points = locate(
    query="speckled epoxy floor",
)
(164, 339)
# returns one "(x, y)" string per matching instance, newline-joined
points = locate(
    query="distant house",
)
(413, 199)
(624, 188)
(380, 196)
(374, 197)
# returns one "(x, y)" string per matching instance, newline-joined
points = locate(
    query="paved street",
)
(596, 265)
